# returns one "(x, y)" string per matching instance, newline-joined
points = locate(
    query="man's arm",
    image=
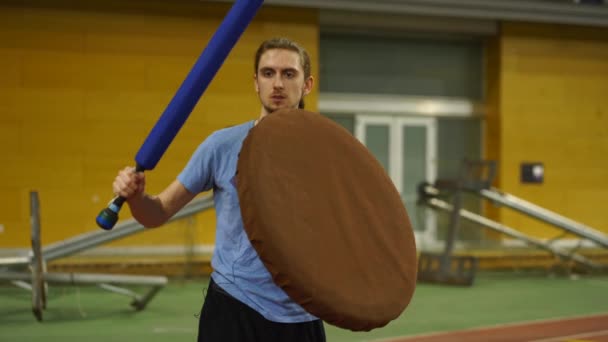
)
(153, 211)
(150, 210)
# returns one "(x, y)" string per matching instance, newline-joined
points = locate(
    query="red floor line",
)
(601, 333)
(520, 331)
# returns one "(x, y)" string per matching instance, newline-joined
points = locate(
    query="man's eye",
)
(290, 74)
(267, 73)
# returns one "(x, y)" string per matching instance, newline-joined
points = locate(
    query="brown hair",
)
(285, 44)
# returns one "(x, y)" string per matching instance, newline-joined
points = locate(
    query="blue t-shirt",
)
(236, 265)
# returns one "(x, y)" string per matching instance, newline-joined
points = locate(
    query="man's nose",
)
(277, 82)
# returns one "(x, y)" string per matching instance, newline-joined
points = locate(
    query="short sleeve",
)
(199, 174)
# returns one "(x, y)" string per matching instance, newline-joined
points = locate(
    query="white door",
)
(406, 148)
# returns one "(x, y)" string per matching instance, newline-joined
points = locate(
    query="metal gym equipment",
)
(476, 177)
(36, 279)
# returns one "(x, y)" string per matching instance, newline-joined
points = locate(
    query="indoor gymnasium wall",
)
(83, 83)
(491, 131)
(553, 109)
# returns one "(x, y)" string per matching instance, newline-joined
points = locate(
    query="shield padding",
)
(326, 220)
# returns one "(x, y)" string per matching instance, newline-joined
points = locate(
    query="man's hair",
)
(285, 44)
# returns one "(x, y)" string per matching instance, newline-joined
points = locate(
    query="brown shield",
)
(326, 220)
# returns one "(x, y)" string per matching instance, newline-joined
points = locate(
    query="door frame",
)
(428, 236)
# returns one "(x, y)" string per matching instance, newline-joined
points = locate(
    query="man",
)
(242, 303)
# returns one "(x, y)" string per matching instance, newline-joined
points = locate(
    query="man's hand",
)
(129, 184)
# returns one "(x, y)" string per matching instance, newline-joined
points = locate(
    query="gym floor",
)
(499, 306)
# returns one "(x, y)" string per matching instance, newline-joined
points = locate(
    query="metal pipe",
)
(545, 215)
(119, 290)
(87, 278)
(14, 261)
(535, 11)
(439, 204)
(125, 228)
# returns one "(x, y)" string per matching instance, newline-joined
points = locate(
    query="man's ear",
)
(308, 83)
(255, 83)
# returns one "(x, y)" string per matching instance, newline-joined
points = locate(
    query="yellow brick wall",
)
(553, 108)
(82, 84)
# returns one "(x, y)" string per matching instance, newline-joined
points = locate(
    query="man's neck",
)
(263, 114)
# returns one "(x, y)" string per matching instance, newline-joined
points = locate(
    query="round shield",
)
(326, 220)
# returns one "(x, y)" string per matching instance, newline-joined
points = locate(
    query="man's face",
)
(280, 81)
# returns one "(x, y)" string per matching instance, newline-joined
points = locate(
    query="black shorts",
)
(225, 319)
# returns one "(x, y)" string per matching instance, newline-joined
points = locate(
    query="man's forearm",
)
(148, 210)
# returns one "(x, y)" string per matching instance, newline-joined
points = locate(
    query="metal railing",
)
(30, 272)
